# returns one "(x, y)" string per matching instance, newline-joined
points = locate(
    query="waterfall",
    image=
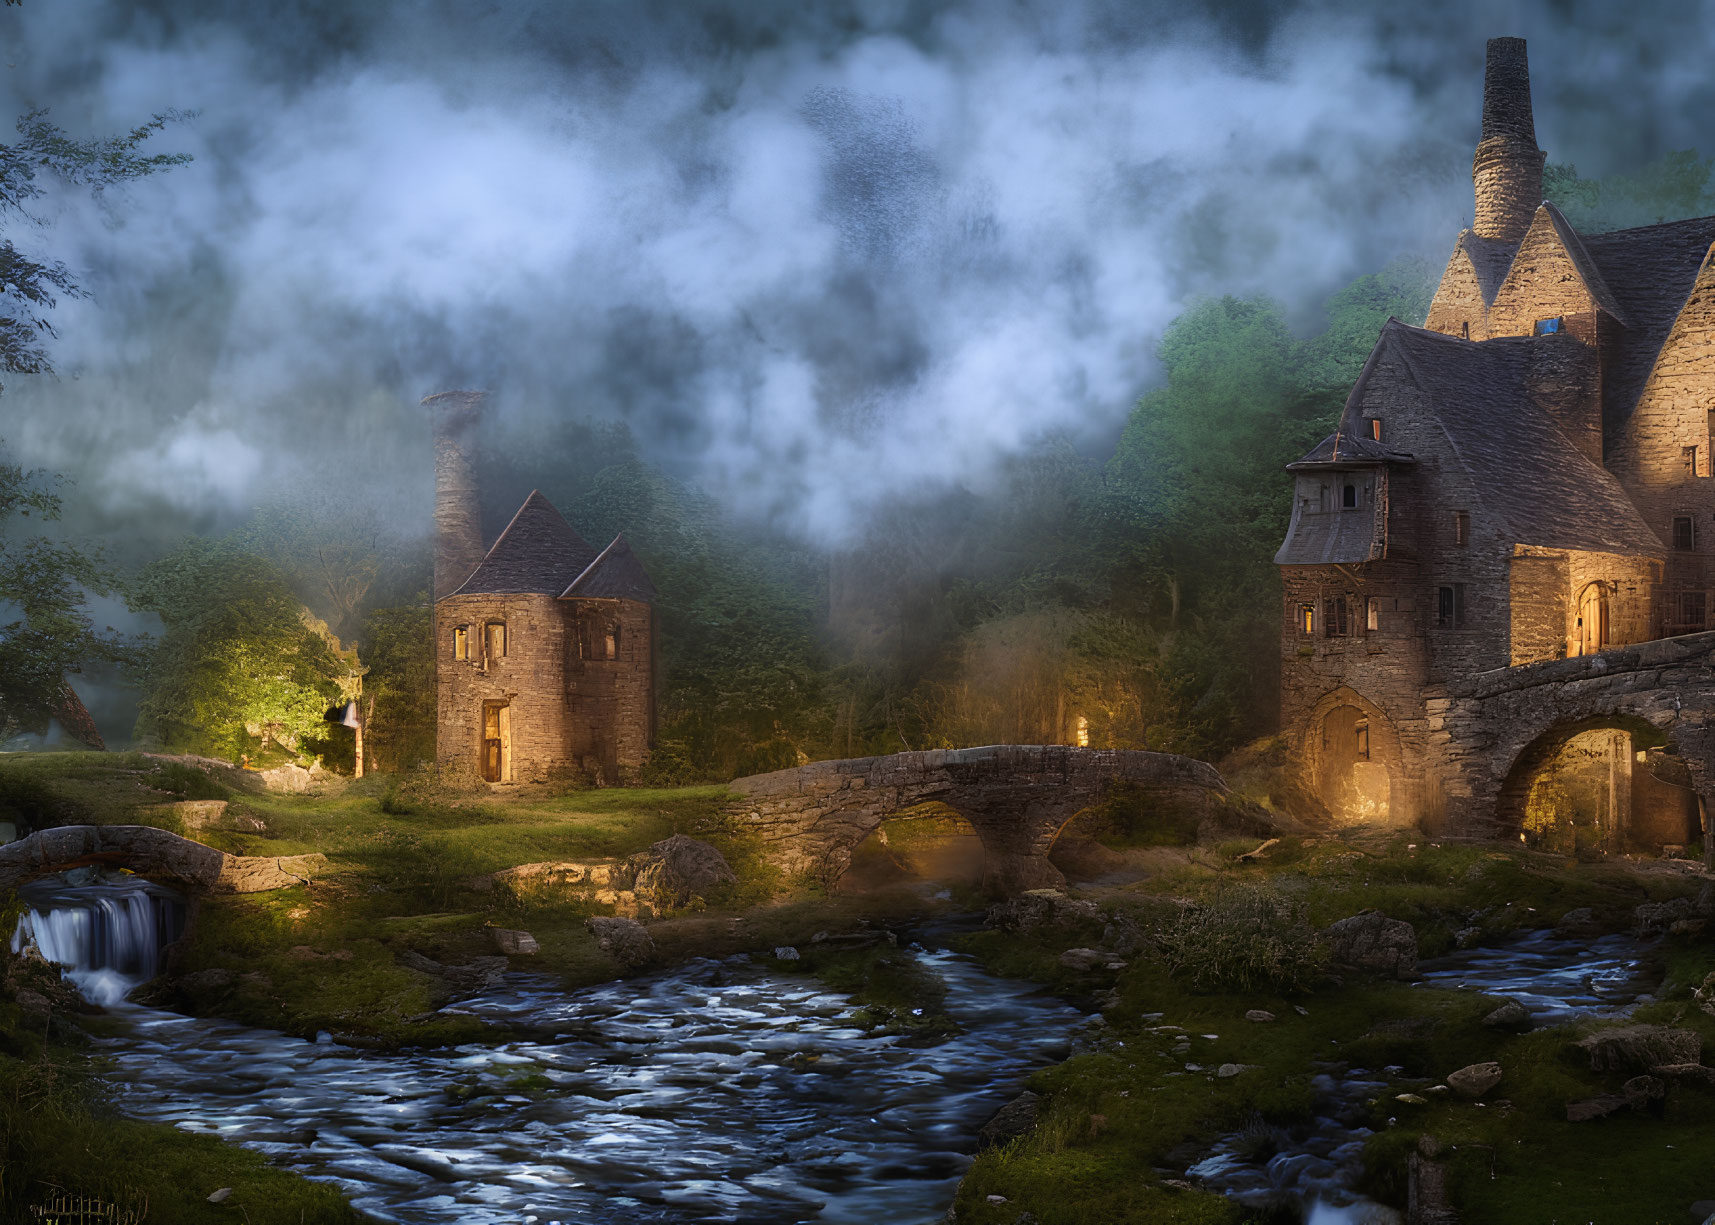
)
(106, 934)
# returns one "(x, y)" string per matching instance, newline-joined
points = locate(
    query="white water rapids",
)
(105, 933)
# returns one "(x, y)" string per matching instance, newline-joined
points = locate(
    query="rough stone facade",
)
(1520, 489)
(1016, 797)
(544, 648)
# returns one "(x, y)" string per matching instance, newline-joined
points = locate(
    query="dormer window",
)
(1373, 427)
(1349, 497)
(1550, 327)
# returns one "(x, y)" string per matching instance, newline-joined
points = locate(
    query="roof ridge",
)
(1583, 261)
(590, 569)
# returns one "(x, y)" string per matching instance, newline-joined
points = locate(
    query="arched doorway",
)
(1599, 787)
(1354, 748)
(1592, 628)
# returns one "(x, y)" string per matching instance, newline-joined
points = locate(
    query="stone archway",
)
(921, 844)
(1353, 758)
(1602, 785)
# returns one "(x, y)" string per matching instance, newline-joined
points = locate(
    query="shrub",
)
(1247, 938)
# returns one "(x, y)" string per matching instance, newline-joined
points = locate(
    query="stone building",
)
(1524, 478)
(544, 647)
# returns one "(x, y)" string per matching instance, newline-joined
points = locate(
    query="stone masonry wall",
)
(1458, 308)
(611, 702)
(530, 678)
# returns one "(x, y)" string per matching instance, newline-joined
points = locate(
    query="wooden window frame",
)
(1461, 528)
(1334, 617)
(1307, 620)
(461, 644)
(1690, 521)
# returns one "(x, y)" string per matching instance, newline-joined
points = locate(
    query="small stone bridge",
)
(1016, 797)
(1481, 726)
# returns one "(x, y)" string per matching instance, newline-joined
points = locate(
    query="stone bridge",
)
(1016, 797)
(1482, 726)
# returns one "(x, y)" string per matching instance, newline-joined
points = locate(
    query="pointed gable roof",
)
(1528, 474)
(615, 575)
(538, 553)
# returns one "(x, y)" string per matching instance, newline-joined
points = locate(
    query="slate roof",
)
(1528, 474)
(1343, 447)
(538, 553)
(1650, 271)
(615, 575)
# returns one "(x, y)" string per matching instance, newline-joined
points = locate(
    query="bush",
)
(1247, 938)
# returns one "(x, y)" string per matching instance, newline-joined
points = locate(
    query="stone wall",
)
(148, 851)
(530, 678)
(611, 715)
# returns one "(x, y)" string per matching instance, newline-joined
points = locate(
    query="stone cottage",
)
(1525, 478)
(544, 647)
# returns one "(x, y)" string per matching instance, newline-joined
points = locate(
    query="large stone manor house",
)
(544, 646)
(1526, 477)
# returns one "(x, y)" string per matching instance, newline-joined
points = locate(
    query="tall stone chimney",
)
(1507, 170)
(458, 517)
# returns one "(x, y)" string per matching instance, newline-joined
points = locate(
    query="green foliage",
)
(46, 582)
(1248, 937)
(399, 686)
(1673, 187)
(240, 669)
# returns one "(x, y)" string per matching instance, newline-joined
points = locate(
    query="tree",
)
(45, 584)
(243, 668)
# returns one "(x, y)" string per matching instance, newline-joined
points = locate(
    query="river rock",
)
(625, 940)
(675, 870)
(1036, 908)
(514, 943)
(1259, 1014)
(1372, 943)
(1012, 1120)
(1474, 1080)
(1686, 1073)
(1639, 1048)
(290, 778)
(1510, 1015)
(785, 952)
(1653, 917)
(1577, 924)
(1084, 960)
(1637, 1092)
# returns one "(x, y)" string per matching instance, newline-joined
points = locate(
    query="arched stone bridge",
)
(1016, 797)
(148, 851)
(1481, 726)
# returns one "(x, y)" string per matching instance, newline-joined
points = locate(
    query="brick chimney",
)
(458, 517)
(1507, 171)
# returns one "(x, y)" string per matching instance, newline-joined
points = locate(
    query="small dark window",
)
(1465, 330)
(1684, 534)
(1349, 497)
(1334, 617)
(1693, 611)
(1307, 618)
(1363, 734)
(1688, 459)
(1461, 528)
(1550, 327)
(1450, 606)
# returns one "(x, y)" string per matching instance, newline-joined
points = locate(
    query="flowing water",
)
(106, 933)
(1558, 979)
(719, 1091)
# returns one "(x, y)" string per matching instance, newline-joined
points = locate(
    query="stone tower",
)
(1507, 170)
(458, 515)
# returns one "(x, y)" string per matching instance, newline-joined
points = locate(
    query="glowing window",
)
(1372, 614)
(494, 640)
(1373, 427)
(461, 642)
(1081, 732)
(1307, 618)
(1550, 327)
